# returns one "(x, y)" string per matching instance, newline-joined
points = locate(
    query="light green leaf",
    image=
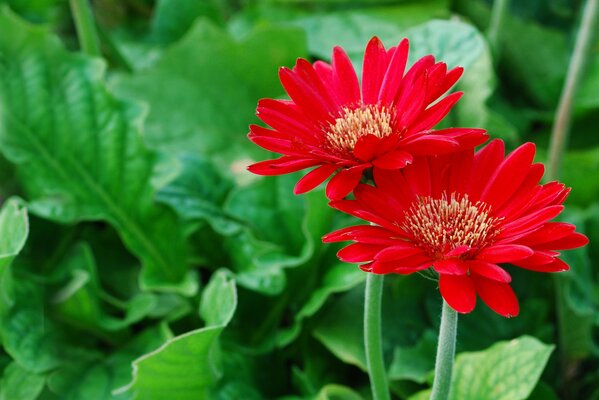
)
(505, 371)
(337, 392)
(14, 229)
(219, 300)
(203, 91)
(18, 383)
(79, 149)
(189, 365)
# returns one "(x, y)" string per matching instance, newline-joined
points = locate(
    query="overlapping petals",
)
(340, 127)
(463, 215)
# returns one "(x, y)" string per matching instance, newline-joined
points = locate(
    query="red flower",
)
(462, 214)
(334, 125)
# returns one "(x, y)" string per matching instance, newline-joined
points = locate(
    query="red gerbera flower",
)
(462, 214)
(333, 124)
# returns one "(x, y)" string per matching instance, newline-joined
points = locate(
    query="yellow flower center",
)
(343, 134)
(441, 225)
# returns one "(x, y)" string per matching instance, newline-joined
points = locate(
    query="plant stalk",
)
(561, 126)
(498, 12)
(445, 353)
(373, 338)
(86, 28)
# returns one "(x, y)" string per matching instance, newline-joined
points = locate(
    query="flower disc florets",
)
(440, 226)
(353, 124)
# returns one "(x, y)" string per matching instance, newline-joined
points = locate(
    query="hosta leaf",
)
(14, 229)
(79, 149)
(18, 383)
(417, 362)
(203, 91)
(505, 371)
(187, 366)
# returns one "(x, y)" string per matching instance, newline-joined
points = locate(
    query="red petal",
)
(314, 178)
(556, 265)
(283, 165)
(530, 221)
(508, 177)
(394, 73)
(366, 147)
(435, 113)
(362, 233)
(571, 241)
(393, 160)
(503, 253)
(498, 296)
(373, 70)
(489, 270)
(451, 266)
(358, 252)
(344, 182)
(345, 77)
(458, 291)
(431, 144)
(458, 251)
(398, 251)
(485, 162)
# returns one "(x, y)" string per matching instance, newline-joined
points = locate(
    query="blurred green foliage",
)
(145, 262)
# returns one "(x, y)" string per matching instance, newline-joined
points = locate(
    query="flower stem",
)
(559, 133)
(498, 12)
(373, 338)
(445, 353)
(86, 28)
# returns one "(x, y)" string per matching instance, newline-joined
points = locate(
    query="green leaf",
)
(171, 20)
(203, 91)
(199, 193)
(337, 392)
(96, 377)
(219, 300)
(505, 371)
(339, 278)
(417, 362)
(18, 383)
(79, 149)
(187, 366)
(14, 229)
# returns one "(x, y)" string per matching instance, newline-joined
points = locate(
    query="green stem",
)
(559, 133)
(445, 353)
(86, 28)
(373, 338)
(500, 8)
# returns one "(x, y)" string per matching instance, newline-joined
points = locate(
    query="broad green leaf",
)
(350, 29)
(339, 327)
(189, 365)
(18, 383)
(415, 363)
(79, 149)
(203, 91)
(505, 371)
